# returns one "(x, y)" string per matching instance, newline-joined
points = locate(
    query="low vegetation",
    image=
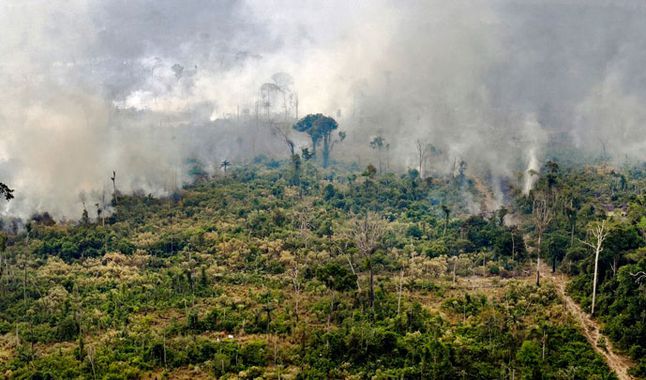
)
(287, 270)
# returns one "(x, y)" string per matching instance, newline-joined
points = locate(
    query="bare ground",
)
(620, 364)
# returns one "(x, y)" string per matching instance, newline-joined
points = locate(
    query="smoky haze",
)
(140, 87)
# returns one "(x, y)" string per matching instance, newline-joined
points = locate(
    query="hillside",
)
(276, 271)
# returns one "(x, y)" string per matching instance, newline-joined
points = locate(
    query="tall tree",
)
(556, 245)
(114, 188)
(268, 94)
(319, 126)
(340, 137)
(552, 168)
(542, 216)
(571, 212)
(367, 234)
(422, 151)
(598, 232)
(379, 144)
(447, 213)
(277, 129)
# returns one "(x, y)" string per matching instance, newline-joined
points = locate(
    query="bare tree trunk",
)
(372, 286)
(599, 231)
(329, 316)
(538, 260)
(164, 349)
(354, 273)
(367, 234)
(297, 291)
(401, 287)
(24, 272)
(542, 216)
(594, 281)
(513, 246)
(90, 356)
(114, 187)
(544, 342)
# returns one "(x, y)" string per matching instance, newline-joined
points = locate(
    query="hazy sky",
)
(487, 80)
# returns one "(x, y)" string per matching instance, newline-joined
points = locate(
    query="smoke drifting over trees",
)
(141, 87)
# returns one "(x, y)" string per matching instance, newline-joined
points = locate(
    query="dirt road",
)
(591, 330)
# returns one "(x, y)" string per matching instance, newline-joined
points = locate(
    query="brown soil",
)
(590, 328)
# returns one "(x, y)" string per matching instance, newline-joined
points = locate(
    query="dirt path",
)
(591, 330)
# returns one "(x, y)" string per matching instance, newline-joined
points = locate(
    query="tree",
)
(367, 234)
(599, 232)
(296, 167)
(370, 171)
(552, 173)
(268, 92)
(379, 144)
(422, 152)
(501, 213)
(542, 216)
(178, 70)
(290, 100)
(341, 136)
(571, 211)
(85, 215)
(224, 165)
(447, 213)
(99, 213)
(462, 168)
(277, 129)
(318, 127)
(556, 244)
(6, 192)
(114, 188)
(307, 155)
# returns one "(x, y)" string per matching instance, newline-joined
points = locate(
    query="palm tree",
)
(225, 165)
(447, 214)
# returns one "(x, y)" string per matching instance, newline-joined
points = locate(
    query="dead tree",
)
(542, 216)
(422, 152)
(599, 233)
(447, 214)
(343, 249)
(400, 286)
(277, 129)
(114, 188)
(367, 234)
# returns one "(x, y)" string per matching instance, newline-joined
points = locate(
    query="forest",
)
(306, 268)
(282, 189)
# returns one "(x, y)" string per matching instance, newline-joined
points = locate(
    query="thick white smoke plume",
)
(530, 175)
(140, 87)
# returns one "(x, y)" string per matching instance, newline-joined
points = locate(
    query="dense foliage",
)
(283, 270)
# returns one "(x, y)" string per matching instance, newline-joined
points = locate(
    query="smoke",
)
(141, 87)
